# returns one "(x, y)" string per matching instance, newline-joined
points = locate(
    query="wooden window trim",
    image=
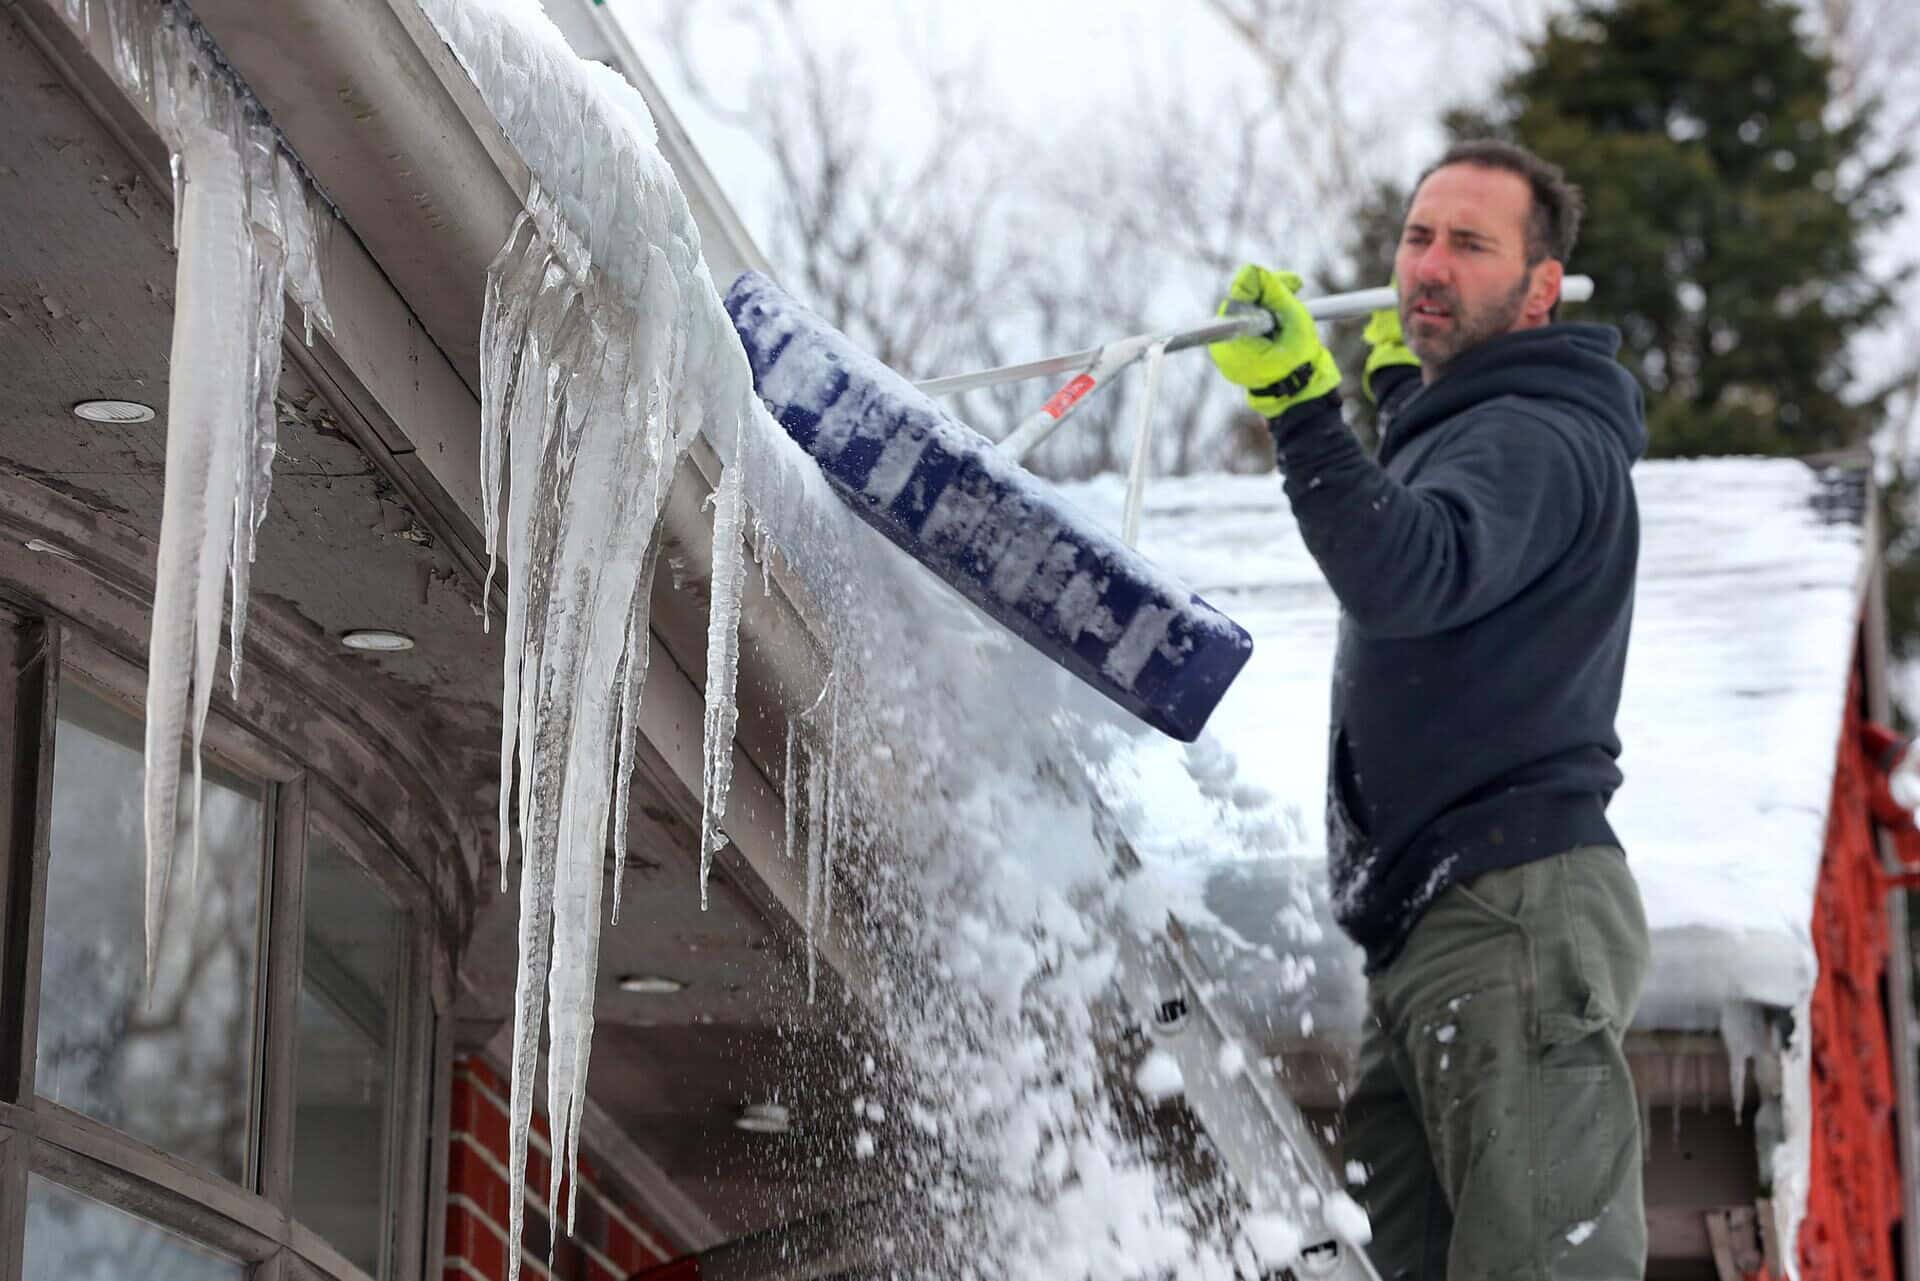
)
(94, 1159)
(125, 684)
(278, 1010)
(352, 831)
(30, 665)
(31, 661)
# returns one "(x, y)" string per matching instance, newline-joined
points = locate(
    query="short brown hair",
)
(1554, 223)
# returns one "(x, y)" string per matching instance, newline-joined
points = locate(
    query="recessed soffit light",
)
(113, 411)
(764, 1118)
(376, 641)
(651, 985)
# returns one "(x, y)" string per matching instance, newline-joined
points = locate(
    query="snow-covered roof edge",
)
(728, 246)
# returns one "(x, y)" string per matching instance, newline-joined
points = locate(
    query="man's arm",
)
(1484, 519)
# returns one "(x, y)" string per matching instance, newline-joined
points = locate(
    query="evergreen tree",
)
(1727, 214)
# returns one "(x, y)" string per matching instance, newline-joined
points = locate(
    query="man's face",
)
(1462, 264)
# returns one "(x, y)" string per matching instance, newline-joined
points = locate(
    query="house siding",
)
(1854, 1198)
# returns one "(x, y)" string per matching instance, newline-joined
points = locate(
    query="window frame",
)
(251, 1220)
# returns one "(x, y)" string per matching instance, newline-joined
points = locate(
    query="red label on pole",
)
(1068, 396)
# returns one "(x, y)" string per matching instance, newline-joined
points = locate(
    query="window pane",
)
(75, 1238)
(350, 977)
(174, 1069)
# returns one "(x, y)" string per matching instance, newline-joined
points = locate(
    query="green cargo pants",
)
(1493, 1115)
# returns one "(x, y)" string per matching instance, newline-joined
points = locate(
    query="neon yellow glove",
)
(1387, 347)
(1288, 365)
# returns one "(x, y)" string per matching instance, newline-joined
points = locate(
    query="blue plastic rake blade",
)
(999, 536)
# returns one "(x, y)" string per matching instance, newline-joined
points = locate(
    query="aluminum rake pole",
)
(1100, 364)
(1360, 302)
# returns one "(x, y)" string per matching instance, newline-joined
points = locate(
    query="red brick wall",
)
(612, 1237)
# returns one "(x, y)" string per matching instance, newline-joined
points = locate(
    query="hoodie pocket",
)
(1343, 784)
(1348, 844)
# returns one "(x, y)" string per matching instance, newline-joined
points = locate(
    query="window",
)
(350, 984)
(71, 1237)
(175, 1066)
(268, 1102)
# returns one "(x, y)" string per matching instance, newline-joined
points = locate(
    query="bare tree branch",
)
(981, 244)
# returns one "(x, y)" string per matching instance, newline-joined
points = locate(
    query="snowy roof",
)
(1737, 675)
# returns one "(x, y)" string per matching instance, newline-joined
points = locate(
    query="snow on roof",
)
(1742, 643)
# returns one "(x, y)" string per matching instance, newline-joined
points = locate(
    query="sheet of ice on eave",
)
(1743, 635)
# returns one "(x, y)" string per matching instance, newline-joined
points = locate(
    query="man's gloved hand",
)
(1387, 347)
(1286, 366)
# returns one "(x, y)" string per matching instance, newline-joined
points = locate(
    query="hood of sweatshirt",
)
(1569, 363)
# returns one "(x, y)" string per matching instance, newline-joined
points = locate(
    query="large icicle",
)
(248, 233)
(723, 660)
(253, 469)
(580, 424)
(206, 439)
(603, 354)
(816, 860)
(836, 763)
(632, 678)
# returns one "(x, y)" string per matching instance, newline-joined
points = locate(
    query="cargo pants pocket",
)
(1593, 952)
(1580, 1100)
(1590, 1198)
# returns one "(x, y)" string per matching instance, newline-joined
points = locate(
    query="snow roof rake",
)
(964, 507)
(968, 511)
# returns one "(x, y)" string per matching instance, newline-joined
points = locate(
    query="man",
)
(1484, 565)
